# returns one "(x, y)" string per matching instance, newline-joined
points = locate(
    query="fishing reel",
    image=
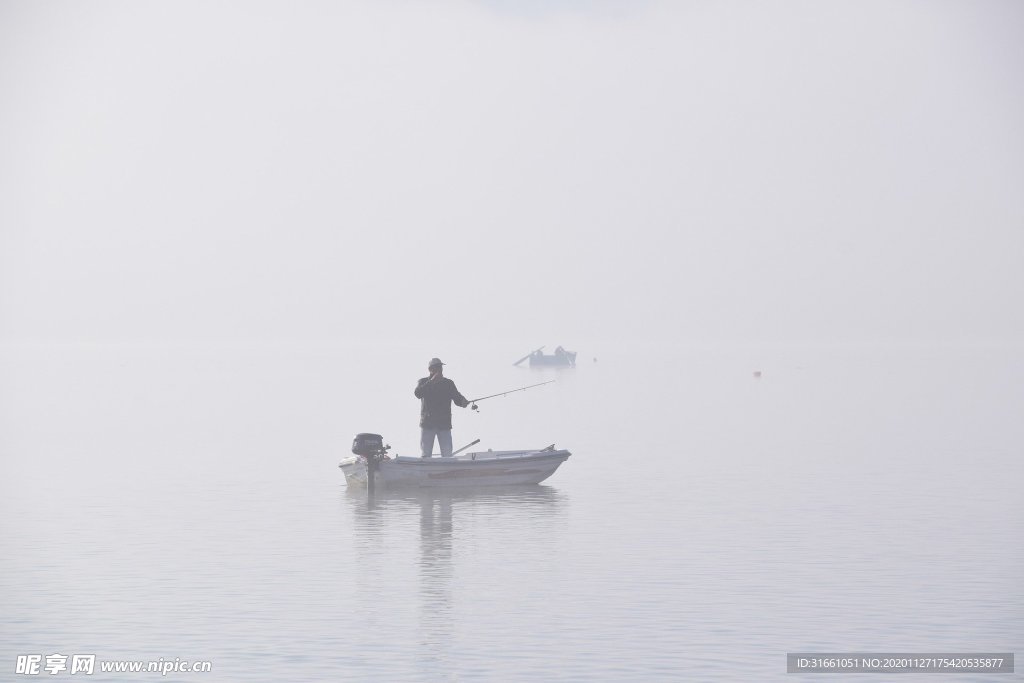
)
(473, 406)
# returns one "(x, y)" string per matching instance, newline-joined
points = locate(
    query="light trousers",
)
(444, 440)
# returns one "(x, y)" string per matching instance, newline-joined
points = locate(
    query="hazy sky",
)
(551, 171)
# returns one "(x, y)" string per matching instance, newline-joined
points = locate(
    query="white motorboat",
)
(485, 468)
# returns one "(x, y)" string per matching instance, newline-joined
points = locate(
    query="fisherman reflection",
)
(435, 567)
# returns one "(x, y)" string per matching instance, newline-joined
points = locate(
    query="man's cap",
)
(434, 362)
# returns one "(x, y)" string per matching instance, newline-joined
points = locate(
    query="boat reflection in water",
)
(474, 532)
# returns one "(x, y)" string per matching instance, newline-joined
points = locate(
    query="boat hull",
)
(567, 360)
(489, 468)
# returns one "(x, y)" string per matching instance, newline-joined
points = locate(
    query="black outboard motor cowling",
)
(367, 445)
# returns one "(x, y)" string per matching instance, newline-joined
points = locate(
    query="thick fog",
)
(232, 234)
(544, 172)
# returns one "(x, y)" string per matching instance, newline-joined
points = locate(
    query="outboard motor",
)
(368, 445)
(371, 447)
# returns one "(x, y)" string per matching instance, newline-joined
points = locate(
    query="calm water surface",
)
(172, 502)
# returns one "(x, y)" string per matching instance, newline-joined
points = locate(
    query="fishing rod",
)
(503, 393)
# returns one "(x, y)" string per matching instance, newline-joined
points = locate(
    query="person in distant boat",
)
(559, 352)
(437, 393)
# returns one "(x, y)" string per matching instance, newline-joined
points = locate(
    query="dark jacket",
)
(436, 401)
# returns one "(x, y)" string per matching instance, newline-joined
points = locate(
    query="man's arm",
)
(457, 398)
(420, 389)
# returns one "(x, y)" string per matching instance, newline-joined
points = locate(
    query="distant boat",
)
(560, 358)
(486, 468)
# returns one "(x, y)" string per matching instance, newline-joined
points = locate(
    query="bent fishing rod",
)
(503, 393)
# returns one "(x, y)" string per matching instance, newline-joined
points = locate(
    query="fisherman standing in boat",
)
(436, 394)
